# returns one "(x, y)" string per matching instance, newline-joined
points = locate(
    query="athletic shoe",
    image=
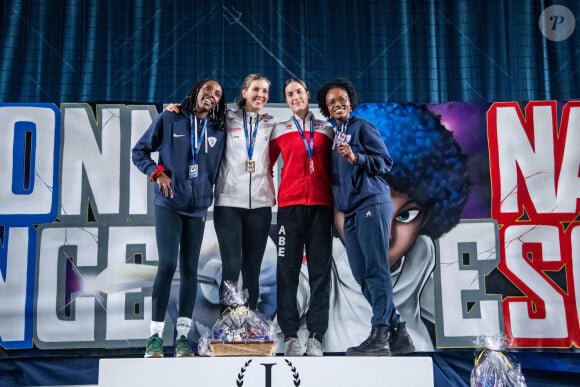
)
(182, 347)
(400, 341)
(154, 346)
(293, 347)
(313, 347)
(377, 344)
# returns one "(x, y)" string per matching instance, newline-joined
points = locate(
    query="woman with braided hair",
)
(190, 146)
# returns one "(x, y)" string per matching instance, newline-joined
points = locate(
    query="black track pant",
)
(242, 235)
(177, 236)
(299, 227)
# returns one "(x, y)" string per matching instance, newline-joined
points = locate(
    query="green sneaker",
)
(154, 346)
(182, 347)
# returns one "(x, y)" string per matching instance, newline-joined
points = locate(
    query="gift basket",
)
(493, 368)
(238, 331)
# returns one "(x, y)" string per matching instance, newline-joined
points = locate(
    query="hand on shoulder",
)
(268, 118)
(172, 107)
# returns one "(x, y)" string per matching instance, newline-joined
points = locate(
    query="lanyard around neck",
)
(309, 147)
(250, 137)
(195, 141)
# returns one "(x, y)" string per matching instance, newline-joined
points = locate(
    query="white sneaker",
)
(313, 347)
(293, 347)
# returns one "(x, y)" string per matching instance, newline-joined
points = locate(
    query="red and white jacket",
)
(298, 186)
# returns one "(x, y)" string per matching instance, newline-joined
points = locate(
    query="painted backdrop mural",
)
(78, 253)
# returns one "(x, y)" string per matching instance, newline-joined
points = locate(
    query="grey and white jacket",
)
(236, 187)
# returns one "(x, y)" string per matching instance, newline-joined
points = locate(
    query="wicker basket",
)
(266, 348)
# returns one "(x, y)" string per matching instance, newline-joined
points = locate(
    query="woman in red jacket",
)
(304, 219)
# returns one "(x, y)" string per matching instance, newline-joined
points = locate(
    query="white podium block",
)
(335, 371)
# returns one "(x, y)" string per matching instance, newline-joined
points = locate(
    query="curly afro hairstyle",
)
(338, 83)
(217, 114)
(428, 164)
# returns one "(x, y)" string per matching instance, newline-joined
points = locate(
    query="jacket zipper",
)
(250, 191)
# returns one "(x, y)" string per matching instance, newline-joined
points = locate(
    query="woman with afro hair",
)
(360, 162)
(429, 187)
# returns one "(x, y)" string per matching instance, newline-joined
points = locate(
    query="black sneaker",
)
(399, 341)
(377, 344)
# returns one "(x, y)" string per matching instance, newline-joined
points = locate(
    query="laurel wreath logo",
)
(240, 379)
(295, 374)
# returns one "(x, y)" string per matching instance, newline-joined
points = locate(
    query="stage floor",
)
(268, 371)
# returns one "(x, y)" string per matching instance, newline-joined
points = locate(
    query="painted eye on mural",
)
(407, 216)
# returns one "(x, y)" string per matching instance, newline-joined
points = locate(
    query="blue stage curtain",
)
(397, 50)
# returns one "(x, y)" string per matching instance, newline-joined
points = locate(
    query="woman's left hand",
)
(345, 151)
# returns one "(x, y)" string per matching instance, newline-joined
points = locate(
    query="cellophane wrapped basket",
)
(494, 368)
(239, 331)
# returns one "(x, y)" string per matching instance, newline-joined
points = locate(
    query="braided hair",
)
(217, 114)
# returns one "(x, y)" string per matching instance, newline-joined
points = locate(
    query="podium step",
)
(336, 371)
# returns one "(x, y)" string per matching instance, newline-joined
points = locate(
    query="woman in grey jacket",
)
(245, 191)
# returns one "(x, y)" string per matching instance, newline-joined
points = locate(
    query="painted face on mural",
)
(297, 97)
(208, 97)
(256, 95)
(405, 227)
(338, 104)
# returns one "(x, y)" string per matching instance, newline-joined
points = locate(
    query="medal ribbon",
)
(250, 141)
(196, 143)
(309, 147)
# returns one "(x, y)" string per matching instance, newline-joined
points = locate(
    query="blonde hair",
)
(241, 101)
